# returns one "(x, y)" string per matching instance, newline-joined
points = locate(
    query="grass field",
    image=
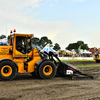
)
(94, 65)
(77, 60)
(87, 65)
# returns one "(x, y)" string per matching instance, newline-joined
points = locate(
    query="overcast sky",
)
(62, 21)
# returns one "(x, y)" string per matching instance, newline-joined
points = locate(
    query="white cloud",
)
(56, 31)
(13, 15)
(21, 7)
(51, 0)
(51, 4)
(19, 3)
(95, 32)
(12, 18)
(78, 0)
(92, 38)
(14, 11)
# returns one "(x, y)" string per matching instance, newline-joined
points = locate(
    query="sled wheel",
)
(7, 70)
(47, 70)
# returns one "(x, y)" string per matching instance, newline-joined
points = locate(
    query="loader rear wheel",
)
(7, 70)
(47, 70)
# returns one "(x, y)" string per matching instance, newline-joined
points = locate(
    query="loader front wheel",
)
(47, 70)
(7, 70)
(97, 61)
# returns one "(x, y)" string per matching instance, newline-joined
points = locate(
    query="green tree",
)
(72, 46)
(44, 41)
(35, 40)
(56, 47)
(76, 45)
(80, 43)
(85, 46)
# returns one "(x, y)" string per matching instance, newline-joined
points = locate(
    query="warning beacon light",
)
(14, 30)
(11, 31)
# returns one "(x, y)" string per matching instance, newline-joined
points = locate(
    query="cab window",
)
(28, 45)
(20, 44)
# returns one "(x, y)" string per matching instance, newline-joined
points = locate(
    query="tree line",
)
(77, 45)
(43, 41)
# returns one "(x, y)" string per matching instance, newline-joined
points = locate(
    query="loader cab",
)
(21, 44)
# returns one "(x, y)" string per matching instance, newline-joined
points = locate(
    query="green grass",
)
(94, 65)
(76, 60)
(87, 65)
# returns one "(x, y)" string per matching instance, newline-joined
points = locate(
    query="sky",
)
(62, 21)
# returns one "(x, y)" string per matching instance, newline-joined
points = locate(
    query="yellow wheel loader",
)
(97, 57)
(19, 57)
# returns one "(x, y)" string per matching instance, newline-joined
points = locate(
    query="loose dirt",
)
(26, 87)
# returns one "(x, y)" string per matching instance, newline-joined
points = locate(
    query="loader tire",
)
(47, 70)
(97, 61)
(7, 70)
(33, 74)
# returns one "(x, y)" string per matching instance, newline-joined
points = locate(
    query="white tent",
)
(3, 41)
(86, 52)
(47, 48)
(67, 51)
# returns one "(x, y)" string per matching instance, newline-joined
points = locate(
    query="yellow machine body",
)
(97, 57)
(20, 57)
(13, 54)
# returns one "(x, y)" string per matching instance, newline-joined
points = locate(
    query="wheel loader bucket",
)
(66, 69)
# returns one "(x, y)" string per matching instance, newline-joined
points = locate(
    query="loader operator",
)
(20, 44)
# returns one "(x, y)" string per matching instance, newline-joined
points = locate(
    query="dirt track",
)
(26, 87)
